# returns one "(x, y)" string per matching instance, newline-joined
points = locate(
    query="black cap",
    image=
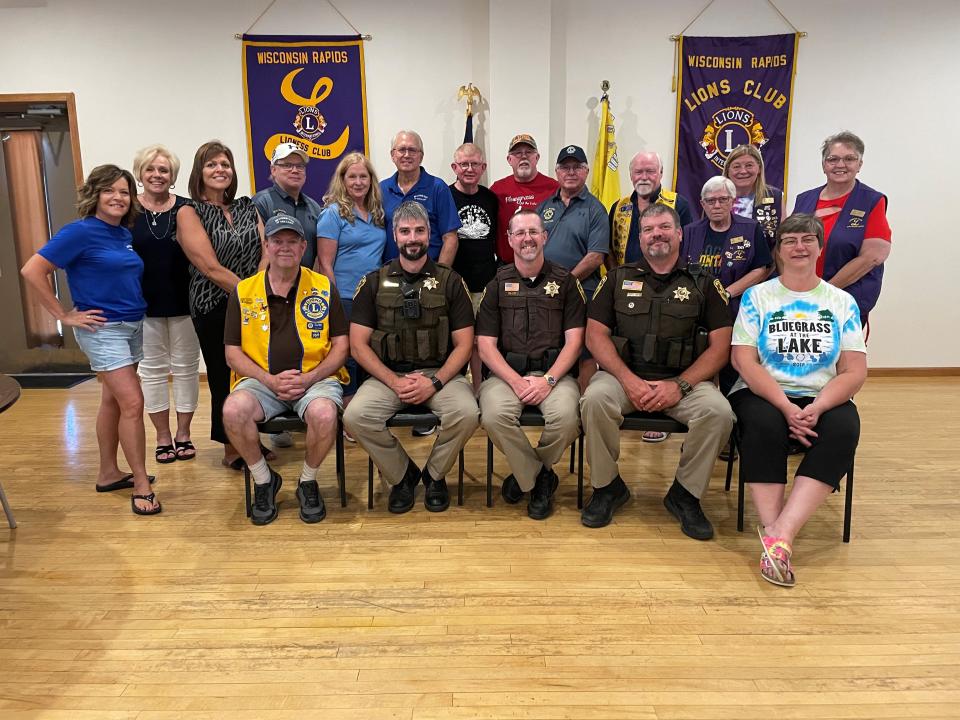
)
(572, 152)
(282, 221)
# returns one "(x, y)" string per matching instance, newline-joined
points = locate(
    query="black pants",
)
(209, 329)
(764, 441)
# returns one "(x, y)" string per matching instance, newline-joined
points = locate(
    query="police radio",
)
(411, 300)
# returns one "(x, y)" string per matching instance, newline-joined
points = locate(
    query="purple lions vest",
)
(846, 238)
(735, 258)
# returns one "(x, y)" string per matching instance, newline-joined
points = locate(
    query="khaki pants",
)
(366, 419)
(500, 410)
(704, 411)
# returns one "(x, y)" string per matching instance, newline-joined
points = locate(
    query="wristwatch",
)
(551, 380)
(437, 383)
(685, 387)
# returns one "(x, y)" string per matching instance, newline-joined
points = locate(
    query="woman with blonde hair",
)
(104, 276)
(351, 235)
(755, 199)
(170, 344)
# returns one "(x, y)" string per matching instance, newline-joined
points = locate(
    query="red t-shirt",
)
(877, 226)
(513, 196)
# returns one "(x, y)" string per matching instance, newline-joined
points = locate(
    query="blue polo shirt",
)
(435, 196)
(574, 230)
(275, 200)
(103, 271)
(359, 247)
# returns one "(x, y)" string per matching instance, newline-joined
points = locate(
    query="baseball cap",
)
(522, 139)
(282, 221)
(572, 152)
(286, 150)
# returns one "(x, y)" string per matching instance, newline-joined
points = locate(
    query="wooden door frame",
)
(70, 101)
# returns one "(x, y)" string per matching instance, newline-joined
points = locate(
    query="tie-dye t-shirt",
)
(798, 335)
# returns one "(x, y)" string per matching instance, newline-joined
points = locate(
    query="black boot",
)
(599, 511)
(686, 508)
(510, 490)
(540, 504)
(402, 494)
(435, 497)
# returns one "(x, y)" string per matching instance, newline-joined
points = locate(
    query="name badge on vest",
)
(390, 283)
(737, 239)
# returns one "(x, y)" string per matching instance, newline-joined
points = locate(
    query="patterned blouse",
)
(237, 248)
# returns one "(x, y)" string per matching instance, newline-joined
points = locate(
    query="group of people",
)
(553, 301)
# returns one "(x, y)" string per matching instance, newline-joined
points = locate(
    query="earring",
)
(139, 184)
(172, 186)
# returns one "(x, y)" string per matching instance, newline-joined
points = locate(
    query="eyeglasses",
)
(571, 169)
(470, 165)
(523, 153)
(725, 200)
(524, 233)
(845, 160)
(804, 241)
(407, 150)
(291, 167)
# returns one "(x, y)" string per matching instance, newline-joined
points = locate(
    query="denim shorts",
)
(328, 389)
(112, 346)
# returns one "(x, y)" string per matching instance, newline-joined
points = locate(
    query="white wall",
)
(145, 72)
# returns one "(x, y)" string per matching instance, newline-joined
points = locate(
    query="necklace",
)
(153, 215)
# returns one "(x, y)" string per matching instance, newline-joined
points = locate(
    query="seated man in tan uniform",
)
(530, 334)
(412, 331)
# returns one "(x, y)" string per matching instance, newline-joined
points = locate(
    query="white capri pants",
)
(170, 347)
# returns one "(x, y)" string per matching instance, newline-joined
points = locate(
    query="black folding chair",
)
(847, 501)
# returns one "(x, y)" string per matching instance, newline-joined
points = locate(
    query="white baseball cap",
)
(286, 150)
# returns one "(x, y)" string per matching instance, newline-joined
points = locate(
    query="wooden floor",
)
(474, 613)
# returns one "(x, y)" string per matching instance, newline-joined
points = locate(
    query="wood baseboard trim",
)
(915, 372)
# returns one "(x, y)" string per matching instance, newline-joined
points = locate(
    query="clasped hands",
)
(531, 389)
(652, 396)
(289, 385)
(413, 388)
(801, 421)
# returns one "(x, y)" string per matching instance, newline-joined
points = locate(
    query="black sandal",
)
(165, 450)
(183, 448)
(150, 499)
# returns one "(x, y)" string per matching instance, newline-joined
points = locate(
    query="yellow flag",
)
(605, 184)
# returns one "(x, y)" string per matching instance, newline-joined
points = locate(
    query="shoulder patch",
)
(603, 281)
(363, 281)
(722, 291)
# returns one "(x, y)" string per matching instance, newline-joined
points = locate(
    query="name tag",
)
(737, 239)
(858, 213)
(390, 283)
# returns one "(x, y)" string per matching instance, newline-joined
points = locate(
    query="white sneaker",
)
(282, 440)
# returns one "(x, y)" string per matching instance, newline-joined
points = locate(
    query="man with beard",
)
(525, 188)
(530, 333)
(412, 331)
(660, 332)
(646, 174)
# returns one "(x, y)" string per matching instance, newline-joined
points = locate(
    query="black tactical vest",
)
(403, 342)
(659, 333)
(531, 318)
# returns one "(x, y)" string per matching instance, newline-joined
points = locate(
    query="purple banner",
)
(733, 91)
(304, 90)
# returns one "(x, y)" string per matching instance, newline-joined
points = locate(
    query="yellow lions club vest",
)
(311, 314)
(621, 222)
